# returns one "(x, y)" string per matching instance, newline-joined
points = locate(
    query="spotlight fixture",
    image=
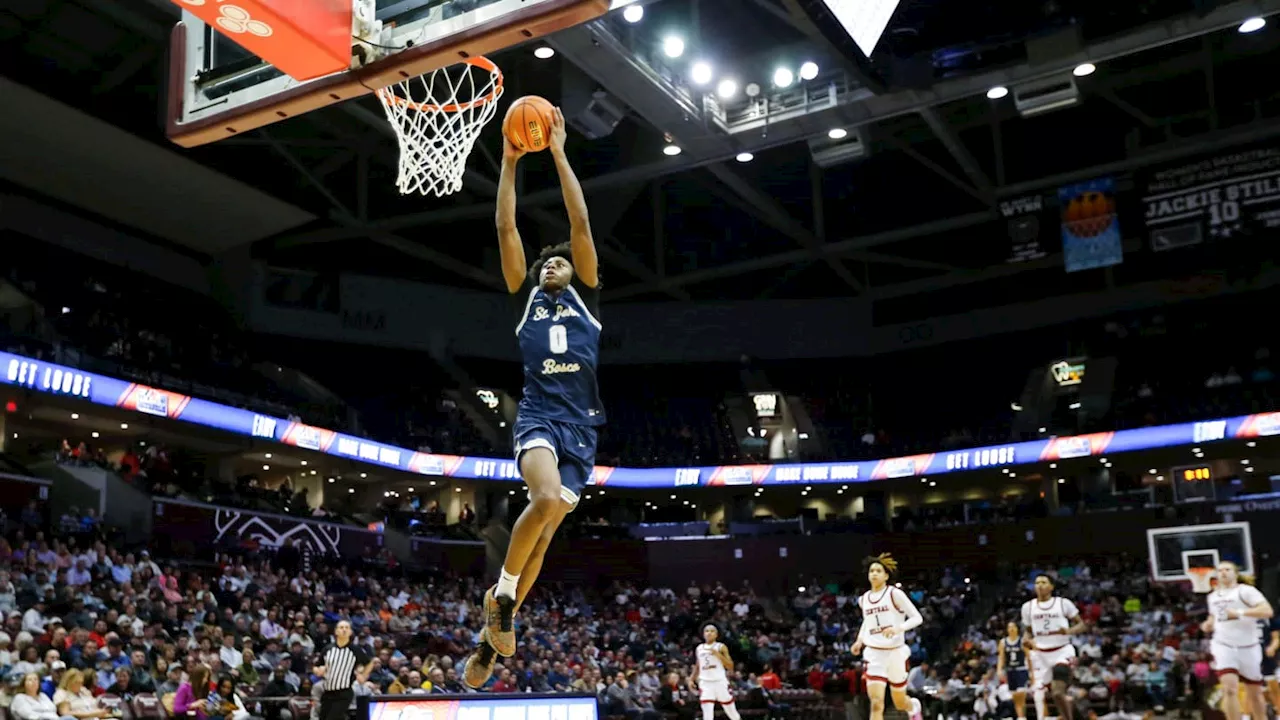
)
(727, 88)
(837, 133)
(700, 73)
(633, 13)
(1084, 70)
(673, 46)
(671, 150)
(997, 92)
(543, 52)
(809, 70)
(1253, 24)
(745, 157)
(782, 77)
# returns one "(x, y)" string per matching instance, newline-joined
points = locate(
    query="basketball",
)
(528, 123)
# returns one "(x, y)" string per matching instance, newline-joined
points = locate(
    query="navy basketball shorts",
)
(573, 445)
(1018, 679)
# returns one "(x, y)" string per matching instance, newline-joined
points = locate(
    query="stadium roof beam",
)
(775, 216)
(968, 163)
(1261, 130)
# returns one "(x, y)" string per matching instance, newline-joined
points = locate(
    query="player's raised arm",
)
(581, 245)
(510, 246)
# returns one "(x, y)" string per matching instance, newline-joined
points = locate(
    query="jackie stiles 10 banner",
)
(1090, 225)
(1216, 198)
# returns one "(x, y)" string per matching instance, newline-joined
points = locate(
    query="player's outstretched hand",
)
(510, 152)
(557, 130)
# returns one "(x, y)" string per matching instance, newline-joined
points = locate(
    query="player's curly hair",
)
(560, 250)
(884, 560)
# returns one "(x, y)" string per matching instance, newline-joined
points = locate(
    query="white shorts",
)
(715, 691)
(1246, 662)
(886, 665)
(1044, 661)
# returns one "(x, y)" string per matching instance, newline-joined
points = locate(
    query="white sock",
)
(1038, 697)
(507, 585)
(731, 709)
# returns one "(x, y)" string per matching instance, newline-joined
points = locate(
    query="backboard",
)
(1173, 550)
(217, 88)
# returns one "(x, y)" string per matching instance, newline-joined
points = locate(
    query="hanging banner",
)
(1023, 216)
(1090, 225)
(1214, 198)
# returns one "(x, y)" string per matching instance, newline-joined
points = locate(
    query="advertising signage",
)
(51, 379)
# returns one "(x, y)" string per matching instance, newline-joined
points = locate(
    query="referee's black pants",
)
(335, 705)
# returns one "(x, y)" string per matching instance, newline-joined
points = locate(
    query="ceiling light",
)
(124, 426)
(1253, 24)
(95, 433)
(745, 157)
(671, 150)
(313, 472)
(673, 497)
(1152, 471)
(543, 52)
(1053, 466)
(75, 416)
(673, 46)
(997, 92)
(1251, 443)
(633, 13)
(511, 492)
(457, 489)
(837, 133)
(266, 467)
(933, 484)
(1249, 469)
(304, 463)
(267, 456)
(1044, 429)
(1015, 407)
(351, 491)
(700, 73)
(364, 475)
(727, 88)
(924, 480)
(1084, 70)
(331, 480)
(1244, 462)
(1061, 480)
(753, 89)
(782, 77)
(809, 71)
(410, 489)
(602, 492)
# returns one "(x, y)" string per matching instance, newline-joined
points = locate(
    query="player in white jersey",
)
(887, 615)
(1050, 621)
(1234, 612)
(710, 676)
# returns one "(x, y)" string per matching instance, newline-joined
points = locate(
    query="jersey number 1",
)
(558, 338)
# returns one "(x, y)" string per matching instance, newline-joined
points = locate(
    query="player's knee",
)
(877, 703)
(544, 501)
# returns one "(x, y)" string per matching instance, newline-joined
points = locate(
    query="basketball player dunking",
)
(1050, 621)
(1012, 668)
(1234, 612)
(710, 675)
(558, 329)
(887, 615)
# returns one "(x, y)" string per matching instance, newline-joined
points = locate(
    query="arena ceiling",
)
(916, 212)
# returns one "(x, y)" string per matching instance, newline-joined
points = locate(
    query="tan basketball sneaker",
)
(499, 622)
(479, 666)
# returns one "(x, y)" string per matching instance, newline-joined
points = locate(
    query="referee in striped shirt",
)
(339, 664)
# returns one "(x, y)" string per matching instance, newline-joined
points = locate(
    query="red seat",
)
(300, 708)
(148, 707)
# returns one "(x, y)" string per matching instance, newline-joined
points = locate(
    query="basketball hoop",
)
(1201, 579)
(437, 118)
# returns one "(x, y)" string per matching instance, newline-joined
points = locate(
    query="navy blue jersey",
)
(560, 350)
(1015, 657)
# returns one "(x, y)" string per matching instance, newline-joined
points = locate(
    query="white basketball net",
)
(438, 117)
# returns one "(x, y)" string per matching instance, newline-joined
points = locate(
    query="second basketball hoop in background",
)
(437, 118)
